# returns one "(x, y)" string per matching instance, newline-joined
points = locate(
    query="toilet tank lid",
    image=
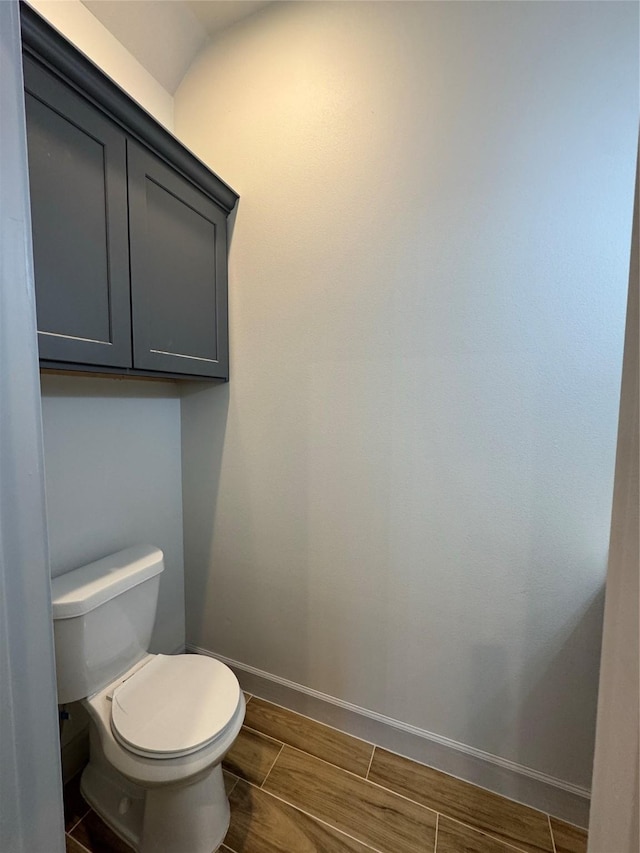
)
(79, 591)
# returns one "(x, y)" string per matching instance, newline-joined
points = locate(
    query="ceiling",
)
(166, 35)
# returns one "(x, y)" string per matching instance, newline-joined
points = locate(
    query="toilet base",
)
(119, 802)
(193, 816)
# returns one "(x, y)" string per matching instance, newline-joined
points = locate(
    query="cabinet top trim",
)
(41, 40)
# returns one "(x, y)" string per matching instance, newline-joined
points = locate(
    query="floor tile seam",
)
(317, 722)
(272, 766)
(79, 843)
(488, 834)
(236, 779)
(458, 820)
(80, 819)
(120, 838)
(316, 818)
(493, 834)
(310, 754)
(332, 761)
(553, 838)
(568, 823)
(367, 781)
(464, 781)
(373, 752)
(275, 740)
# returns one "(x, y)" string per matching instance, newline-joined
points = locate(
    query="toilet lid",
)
(174, 705)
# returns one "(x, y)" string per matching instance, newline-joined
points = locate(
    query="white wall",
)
(402, 498)
(112, 448)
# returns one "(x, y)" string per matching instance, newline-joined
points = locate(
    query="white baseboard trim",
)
(508, 778)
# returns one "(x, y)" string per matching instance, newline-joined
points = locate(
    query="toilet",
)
(160, 725)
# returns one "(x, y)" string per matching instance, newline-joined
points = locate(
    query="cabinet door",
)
(178, 245)
(77, 176)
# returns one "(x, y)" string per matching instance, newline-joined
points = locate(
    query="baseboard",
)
(515, 781)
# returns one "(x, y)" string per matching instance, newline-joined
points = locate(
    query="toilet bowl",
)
(139, 760)
(159, 725)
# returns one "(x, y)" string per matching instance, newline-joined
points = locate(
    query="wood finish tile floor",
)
(297, 786)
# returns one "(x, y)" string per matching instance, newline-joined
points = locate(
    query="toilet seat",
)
(174, 706)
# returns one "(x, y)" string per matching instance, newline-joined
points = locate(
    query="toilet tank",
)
(103, 615)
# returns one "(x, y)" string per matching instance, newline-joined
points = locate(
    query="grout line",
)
(263, 735)
(464, 782)
(80, 819)
(317, 722)
(311, 754)
(488, 834)
(370, 763)
(318, 819)
(272, 766)
(361, 779)
(435, 840)
(553, 840)
(570, 823)
(235, 778)
(75, 840)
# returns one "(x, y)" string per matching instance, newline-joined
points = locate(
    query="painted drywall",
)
(30, 791)
(112, 448)
(85, 31)
(113, 479)
(402, 498)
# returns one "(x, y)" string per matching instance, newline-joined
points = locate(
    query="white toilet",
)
(159, 725)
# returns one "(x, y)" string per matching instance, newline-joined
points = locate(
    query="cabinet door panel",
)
(178, 271)
(77, 175)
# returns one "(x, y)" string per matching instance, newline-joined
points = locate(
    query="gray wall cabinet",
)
(178, 244)
(78, 187)
(129, 228)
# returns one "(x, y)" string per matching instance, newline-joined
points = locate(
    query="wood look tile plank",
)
(455, 837)
(568, 838)
(513, 823)
(251, 756)
(261, 823)
(390, 823)
(331, 745)
(97, 837)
